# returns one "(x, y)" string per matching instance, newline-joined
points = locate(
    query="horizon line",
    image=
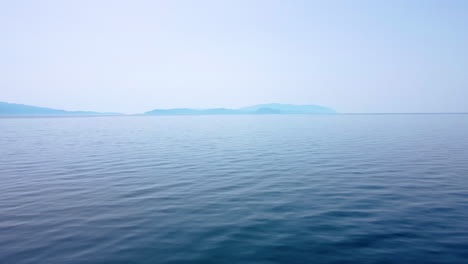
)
(148, 115)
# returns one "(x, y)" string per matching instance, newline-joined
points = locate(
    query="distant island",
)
(7, 109)
(250, 110)
(26, 110)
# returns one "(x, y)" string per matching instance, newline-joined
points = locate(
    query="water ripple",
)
(234, 189)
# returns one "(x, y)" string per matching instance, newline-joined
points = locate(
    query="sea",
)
(234, 189)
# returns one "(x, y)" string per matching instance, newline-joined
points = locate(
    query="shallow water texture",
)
(234, 189)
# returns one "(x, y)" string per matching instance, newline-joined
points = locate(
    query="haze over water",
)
(234, 189)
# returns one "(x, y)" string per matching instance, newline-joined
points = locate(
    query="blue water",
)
(234, 189)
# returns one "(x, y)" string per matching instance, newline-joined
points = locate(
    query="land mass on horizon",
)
(256, 109)
(21, 109)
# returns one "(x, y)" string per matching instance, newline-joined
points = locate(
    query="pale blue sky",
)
(133, 56)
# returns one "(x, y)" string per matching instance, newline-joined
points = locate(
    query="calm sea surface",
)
(234, 189)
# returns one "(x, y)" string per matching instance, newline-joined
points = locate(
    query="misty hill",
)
(20, 109)
(256, 109)
(288, 109)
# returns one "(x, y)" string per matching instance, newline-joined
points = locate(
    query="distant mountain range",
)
(20, 109)
(256, 109)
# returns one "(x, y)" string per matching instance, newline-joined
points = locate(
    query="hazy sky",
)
(133, 56)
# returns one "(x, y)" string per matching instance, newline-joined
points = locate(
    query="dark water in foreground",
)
(234, 189)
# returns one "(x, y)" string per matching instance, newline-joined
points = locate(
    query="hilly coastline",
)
(10, 109)
(26, 110)
(256, 109)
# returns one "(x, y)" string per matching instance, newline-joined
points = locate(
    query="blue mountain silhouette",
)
(20, 109)
(256, 109)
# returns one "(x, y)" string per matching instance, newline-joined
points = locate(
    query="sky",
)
(355, 56)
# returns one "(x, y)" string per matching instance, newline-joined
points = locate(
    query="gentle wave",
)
(234, 189)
